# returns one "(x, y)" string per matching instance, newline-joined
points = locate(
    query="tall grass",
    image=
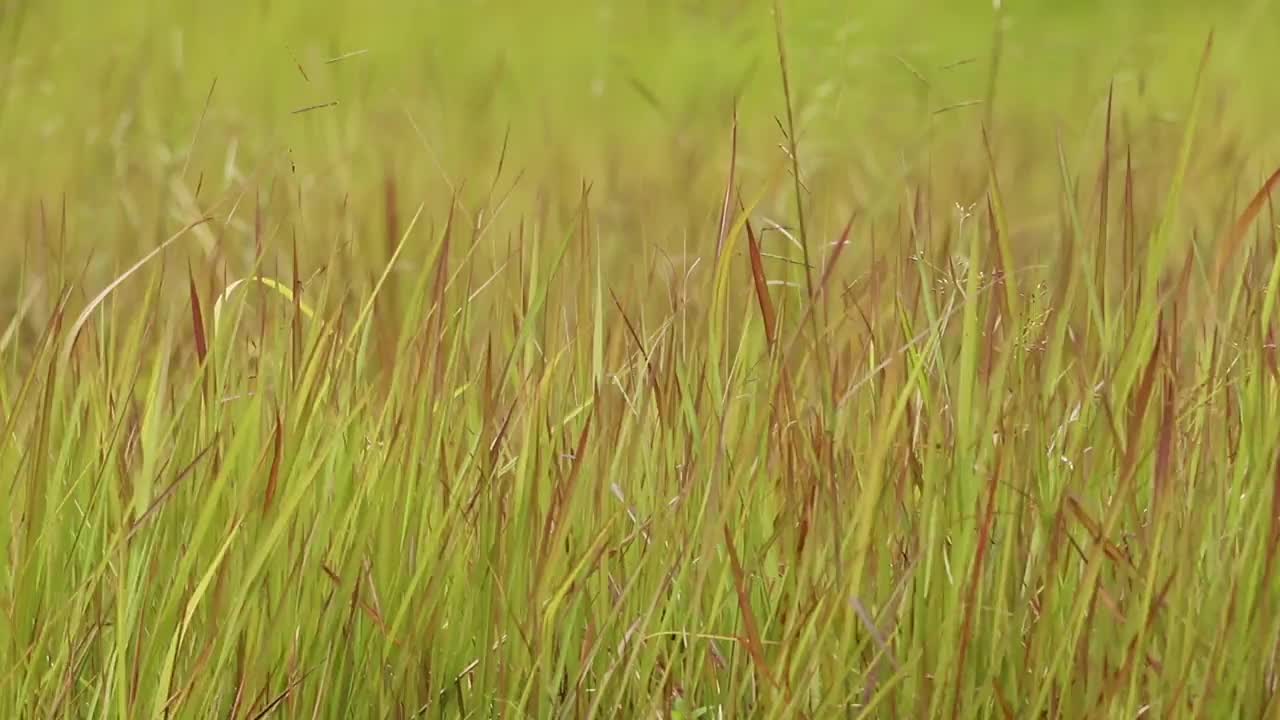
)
(440, 445)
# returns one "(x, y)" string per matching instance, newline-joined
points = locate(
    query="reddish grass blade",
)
(284, 694)
(1183, 283)
(496, 444)
(835, 255)
(580, 451)
(369, 611)
(792, 143)
(1273, 539)
(160, 499)
(822, 284)
(277, 455)
(652, 371)
(1094, 528)
(728, 186)
(197, 319)
(1269, 354)
(561, 496)
(975, 577)
(436, 327)
(1141, 400)
(755, 647)
(390, 212)
(295, 324)
(1129, 230)
(1104, 182)
(1164, 451)
(1228, 246)
(1275, 508)
(1006, 710)
(258, 224)
(762, 289)
(74, 334)
(999, 231)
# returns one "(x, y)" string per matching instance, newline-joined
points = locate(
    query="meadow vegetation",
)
(652, 359)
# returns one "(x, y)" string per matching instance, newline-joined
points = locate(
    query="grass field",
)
(651, 359)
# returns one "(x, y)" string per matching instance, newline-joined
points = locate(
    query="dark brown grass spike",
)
(1094, 528)
(496, 444)
(822, 284)
(284, 694)
(835, 255)
(74, 334)
(649, 366)
(390, 212)
(1273, 539)
(755, 648)
(762, 289)
(296, 324)
(1164, 451)
(1141, 400)
(1006, 710)
(561, 496)
(1129, 230)
(277, 456)
(442, 264)
(168, 491)
(728, 186)
(792, 151)
(197, 319)
(971, 594)
(1104, 191)
(1275, 509)
(1230, 244)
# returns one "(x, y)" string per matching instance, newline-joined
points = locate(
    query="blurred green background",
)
(83, 80)
(110, 104)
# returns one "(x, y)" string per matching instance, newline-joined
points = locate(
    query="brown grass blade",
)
(792, 142)
(1006, 710)
(728, 186)
(651, 370)
(390, 212)
(1140, 402)
(1269, 354)
(1164, 448)
(1275, 507)
(277, 456)
(317, 106)
(74, 334)
(197, 319)
(370, 611)
(754, 646)
(1094, 528)
(841, 244)
(284, 694)
(1230, 244)
(436, 327)
(295, 324)
(1104, 192)
(496, 444)
(1273, 535)
(762, 289)
(975, 578)
(1129, 231)
(579, 452)
(182, 474)
(561, 496)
